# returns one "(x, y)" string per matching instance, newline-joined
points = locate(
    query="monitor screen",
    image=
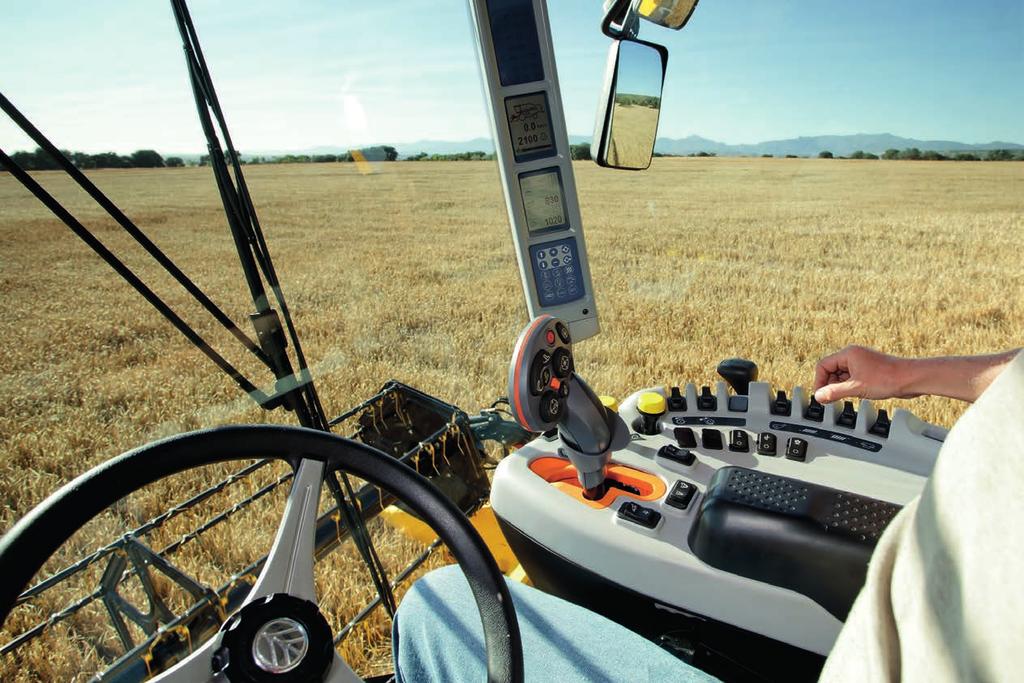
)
(529, 123)
(543, 199)
(516, 46)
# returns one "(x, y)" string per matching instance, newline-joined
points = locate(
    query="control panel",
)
(757, 510)
(532, 147)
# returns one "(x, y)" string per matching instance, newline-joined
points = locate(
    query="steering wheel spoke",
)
(289, 566)
(341, 672)
(198, 666)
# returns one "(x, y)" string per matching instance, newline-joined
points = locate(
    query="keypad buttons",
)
(796, 449)
(766, 444)
(555, 273)
(638, 514)
(681, 456)
(685, 437)
(739, 442)
(711, 439)
(681, 495)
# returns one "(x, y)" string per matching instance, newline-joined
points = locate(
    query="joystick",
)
(739, 373)
(546, 393)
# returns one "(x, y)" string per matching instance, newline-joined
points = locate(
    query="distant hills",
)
(839, 145)
(806, 146)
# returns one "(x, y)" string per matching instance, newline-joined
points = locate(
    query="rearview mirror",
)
(627, 115)
(668, 13)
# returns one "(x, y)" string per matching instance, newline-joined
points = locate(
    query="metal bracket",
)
(621, 19)
(141, 558)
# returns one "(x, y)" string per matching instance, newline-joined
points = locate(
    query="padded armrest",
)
(793, 534)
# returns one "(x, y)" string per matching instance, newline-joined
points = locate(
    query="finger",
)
(834, 392)
(829, 366)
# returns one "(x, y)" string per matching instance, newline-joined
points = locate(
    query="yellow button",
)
(651, 403)
(610, 403)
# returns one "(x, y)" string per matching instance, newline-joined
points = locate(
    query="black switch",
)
(685, 437)
(681, 495)
(638, 514)
(847, 418)
(781, 405)
(815, 411)
(796, 449)
(738, 404)
(766, 444)
(679, 455)
(676, 401)
(882, 424)
(563, 332)
(739, 441)
(706, 400)
(711, 439)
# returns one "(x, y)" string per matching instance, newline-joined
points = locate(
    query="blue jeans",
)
(437, 636)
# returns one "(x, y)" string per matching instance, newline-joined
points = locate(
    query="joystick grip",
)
(545, 392)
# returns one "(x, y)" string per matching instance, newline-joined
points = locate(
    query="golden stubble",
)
(409, 273)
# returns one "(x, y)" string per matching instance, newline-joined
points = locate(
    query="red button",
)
(550, 337)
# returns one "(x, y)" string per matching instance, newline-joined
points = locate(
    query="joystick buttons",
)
(540, 373)
(563, 332)
(551, 407)
(561, 360)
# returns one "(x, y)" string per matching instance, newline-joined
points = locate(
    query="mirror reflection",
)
(633, 105)
(669, 13)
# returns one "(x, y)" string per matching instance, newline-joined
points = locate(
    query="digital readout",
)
(529, 124)
(542, 197)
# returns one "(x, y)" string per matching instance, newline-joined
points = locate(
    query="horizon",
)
(740, 73)
(979, 144)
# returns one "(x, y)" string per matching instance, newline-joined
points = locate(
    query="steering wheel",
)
(279, 633)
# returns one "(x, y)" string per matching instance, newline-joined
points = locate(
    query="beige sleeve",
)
(944, 597)
(868, 646)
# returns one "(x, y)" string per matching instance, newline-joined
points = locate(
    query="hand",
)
(860, 372)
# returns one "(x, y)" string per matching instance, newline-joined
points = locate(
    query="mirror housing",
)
(671, 14)
(630, 105)
(622, 17)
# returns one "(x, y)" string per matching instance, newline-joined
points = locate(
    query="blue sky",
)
(108, 74)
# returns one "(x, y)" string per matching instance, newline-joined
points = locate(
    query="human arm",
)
(861, 372)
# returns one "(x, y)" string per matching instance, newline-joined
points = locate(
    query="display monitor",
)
(529, 123)
(543, 199)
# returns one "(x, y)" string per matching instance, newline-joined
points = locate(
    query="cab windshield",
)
(821, 177)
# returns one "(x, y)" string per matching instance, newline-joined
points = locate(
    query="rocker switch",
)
(847, 418)
(707, 400)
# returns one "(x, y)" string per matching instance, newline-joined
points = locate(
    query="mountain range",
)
(839, 145)
(804, 146)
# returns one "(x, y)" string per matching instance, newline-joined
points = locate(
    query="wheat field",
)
(409, 273)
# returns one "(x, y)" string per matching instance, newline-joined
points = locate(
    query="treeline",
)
(148, 158)
(378, 153)
(460, 156)
(142, 158)
(914, 154)
(633, 100)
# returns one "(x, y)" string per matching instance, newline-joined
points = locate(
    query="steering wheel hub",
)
(276, 638)
(280, 645)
